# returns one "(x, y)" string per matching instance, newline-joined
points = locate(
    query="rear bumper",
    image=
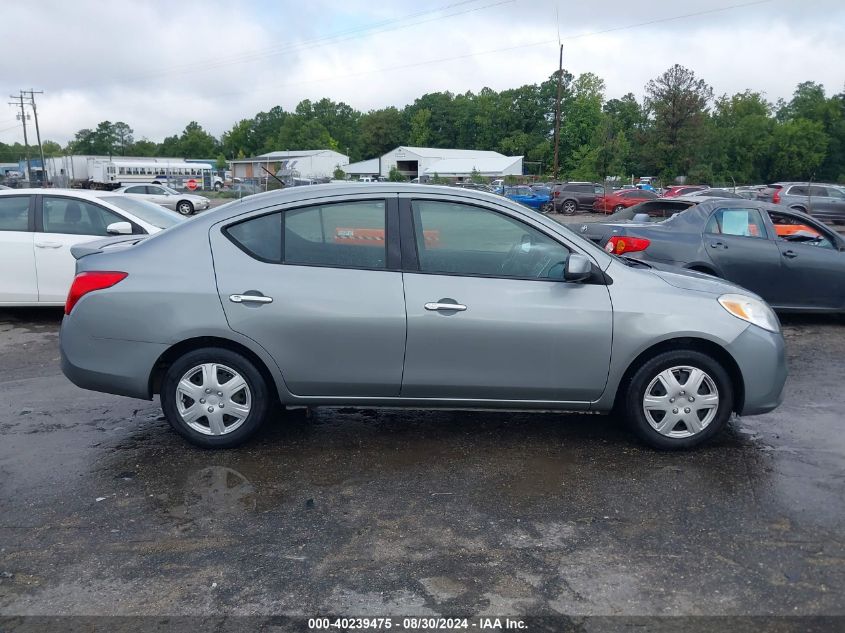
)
(108, 365)
(761, 358)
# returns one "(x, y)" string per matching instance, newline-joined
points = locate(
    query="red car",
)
(622, 199)
(681, 190)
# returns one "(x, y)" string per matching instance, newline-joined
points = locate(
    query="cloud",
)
(159, 65)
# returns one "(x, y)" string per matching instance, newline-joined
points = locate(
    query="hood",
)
(699, 282)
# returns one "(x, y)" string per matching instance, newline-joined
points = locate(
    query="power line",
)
(341, 36)
(440, 60)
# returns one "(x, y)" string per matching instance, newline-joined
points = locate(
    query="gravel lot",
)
(103, 510)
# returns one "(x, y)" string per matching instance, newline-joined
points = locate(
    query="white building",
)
(455, 163)
(308, 163)
(362, 168)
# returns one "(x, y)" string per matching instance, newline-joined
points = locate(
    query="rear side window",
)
(343, 235)
(798, 190)
(14, 213)
(347, 234)
(739, 222)
(260, 237)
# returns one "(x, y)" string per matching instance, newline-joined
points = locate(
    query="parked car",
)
(283, 305)
(680, 190)
(38, 227)
(790, 259)
(184, 203)
(528, 197)
(569, 197)
(823, 201)
(710, 193)
(622, 199)
(643, 213)
(4, 187)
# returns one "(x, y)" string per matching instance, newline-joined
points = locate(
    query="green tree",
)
(221, 163)
(381, 131)
(51, 148)
(395, 175)
(420, 134)
(195, 142)
(339, 174)
(300, 132)
(677, 104)
(475, 176)
(122, 135)
(798, 149)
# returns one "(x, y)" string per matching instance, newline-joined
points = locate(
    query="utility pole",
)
(557, 111)
(22, 116)
(32, 94)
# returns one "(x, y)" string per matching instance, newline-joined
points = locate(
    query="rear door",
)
(834, 205)
(740, 246)
(61, 222)
(18, 279)
(318, 286)
(518, 331)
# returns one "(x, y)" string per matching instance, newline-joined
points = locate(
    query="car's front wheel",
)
(214, 398)
(679, 399)
(185, 207)
(618, 208)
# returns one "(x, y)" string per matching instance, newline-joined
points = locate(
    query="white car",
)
(38, 227)
(184, 203)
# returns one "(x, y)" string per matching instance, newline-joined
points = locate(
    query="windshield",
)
(146, 211)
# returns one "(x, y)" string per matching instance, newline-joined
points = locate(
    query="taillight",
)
(776, 196)
(555, 193)
(87, 282)
(619, 244)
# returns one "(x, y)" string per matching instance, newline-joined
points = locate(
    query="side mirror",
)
(578, 268)
(119, 228)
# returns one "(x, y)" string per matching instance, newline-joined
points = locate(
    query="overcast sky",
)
(159, 65)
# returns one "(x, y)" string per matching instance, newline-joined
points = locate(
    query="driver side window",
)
(461, 239)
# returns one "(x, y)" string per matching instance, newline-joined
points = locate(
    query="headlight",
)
(751, 310)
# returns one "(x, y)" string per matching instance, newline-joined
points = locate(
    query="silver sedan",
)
(184, 203)
(410, 296)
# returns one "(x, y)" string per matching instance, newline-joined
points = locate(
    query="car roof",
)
(87, 194)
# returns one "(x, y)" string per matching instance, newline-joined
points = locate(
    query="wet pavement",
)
(104, 510)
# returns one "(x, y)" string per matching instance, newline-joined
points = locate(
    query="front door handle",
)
(48, 244)
(250, 299)
(717, 245)
(790, 254)
(445, 307)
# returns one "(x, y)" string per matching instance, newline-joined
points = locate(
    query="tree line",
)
(679, 128)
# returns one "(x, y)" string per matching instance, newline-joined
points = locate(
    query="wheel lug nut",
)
(691, 399)
(211, 409)
(686, 410)
(220, 393)
(683, 392)
(671, 400)
(208, 390)
(674, 411)
(202, 400)
(221, 405)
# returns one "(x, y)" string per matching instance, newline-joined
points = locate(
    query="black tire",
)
(546, 208)
(649, 370)
(217, 186)
(185, 207)
(260, 400)
(569, 207)
(618, 208)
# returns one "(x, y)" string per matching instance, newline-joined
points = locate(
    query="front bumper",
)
(761, 357)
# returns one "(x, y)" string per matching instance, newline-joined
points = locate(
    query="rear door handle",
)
(790, 254)
(48, 244)
(445, 307)
(250, 299)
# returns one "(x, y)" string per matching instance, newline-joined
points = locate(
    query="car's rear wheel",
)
(679, 399)
(185, 207)
(214, 398)
(569, 207)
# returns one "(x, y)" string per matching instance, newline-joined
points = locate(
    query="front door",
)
(18, 281)
(60, 223)
(738, 244)
(813, 273)
(517, 331)
(319, 288)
